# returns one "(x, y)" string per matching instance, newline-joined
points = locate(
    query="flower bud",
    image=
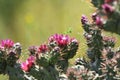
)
(84, 20)
(107, 8)
(99, 22)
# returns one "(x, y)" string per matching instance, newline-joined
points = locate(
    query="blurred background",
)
(31, 22)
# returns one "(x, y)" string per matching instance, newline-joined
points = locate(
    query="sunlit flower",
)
(63, 40)
(43, 48)
(99, 21)
(30, 61)
(60, 39)
(107, 8)
(7, 43)
(24, 67)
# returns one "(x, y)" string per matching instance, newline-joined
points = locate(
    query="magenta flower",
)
(51, 39)
(7, 43)
(109, 1)
(99, 21)
(30, 61)
(24, 67)
(60, 39)
(84, 20)
(43, 48)
(63, 40)
(107, 8)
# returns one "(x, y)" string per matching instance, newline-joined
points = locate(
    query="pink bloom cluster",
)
(25, 66)
(99, 21)
(7, 43)
(60, 39)
(107, 8)
(96, 19)
(43, 48)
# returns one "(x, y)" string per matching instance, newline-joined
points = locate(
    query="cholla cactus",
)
(50, 60)
(109, 10)
(100, 52)
(9, 54)
(104, 60)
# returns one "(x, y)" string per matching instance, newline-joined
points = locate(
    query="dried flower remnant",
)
(84, 20)
(32, 50)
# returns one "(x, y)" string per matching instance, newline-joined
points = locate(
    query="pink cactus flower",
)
(7, 43)
(24, 67)
(84, 20)
(53, 37)
(94, 15)
(99, 21)
(63, 40)
(60, 39)
(43, 48)
(107, 8)
(30, 61)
